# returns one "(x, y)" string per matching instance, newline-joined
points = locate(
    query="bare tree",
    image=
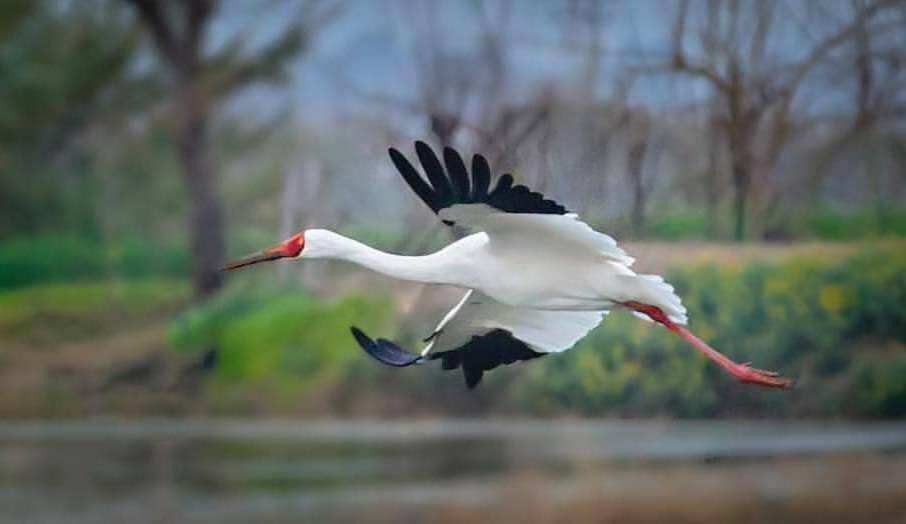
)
(754, 88)
(200, 80)
(876, 64)
(468, 91)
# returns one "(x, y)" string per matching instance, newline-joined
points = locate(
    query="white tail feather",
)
(651, 289)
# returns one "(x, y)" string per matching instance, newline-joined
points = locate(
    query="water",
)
(251, 471)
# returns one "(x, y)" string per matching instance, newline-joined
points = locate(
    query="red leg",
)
(743, 372)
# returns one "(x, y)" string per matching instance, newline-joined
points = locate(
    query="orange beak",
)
(289, 248)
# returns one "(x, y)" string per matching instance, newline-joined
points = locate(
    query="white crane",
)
(537, 278)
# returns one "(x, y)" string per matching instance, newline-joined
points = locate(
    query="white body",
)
(548, 279)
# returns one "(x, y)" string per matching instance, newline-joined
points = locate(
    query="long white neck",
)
(433, 269)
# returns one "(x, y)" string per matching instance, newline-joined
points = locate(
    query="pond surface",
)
(254, 471)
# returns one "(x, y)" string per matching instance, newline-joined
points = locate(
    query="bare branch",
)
(161, 32)
(679, 33)
(840, 37)
(197, 14)
(680, 61)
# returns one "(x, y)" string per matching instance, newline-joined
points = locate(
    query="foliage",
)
(820, 222)
(879, 384)
(49, 94)
(70, 311)
(678, 225)
(59, 257)
(278, 334)
(829, 224)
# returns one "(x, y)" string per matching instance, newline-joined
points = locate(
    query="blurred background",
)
(753, 152)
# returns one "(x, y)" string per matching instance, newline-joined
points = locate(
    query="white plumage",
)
(544, 331)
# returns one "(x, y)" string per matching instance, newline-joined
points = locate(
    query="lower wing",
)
(479, 334)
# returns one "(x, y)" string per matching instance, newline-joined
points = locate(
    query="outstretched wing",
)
(507, 213)
(450, 183)
(479, 334)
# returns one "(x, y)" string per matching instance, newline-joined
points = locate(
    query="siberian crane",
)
(536, 278)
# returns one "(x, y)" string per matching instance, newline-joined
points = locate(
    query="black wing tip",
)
(425, 152)
(363, 340)
(384, 351)
(398, 158)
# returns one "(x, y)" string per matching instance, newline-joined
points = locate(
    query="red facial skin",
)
(292, 246)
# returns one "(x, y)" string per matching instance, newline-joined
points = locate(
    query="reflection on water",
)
(156, 471)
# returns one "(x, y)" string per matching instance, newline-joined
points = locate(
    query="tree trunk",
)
(712, 178)
(636, 160)
(739, 133)
(206, 216)
(741, 182)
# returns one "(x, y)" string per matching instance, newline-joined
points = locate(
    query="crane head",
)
(289, 248)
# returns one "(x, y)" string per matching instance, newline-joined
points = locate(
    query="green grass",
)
(64, 258)
(692, 224)
(279, 335)
(830, 224)
(65, 312)
(822, 223)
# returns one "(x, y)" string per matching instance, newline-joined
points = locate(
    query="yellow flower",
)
(833, 298)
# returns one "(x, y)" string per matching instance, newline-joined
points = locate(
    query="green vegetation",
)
(829, 224)
(807, 223)
(837, 323)
(57, 258)
(50, 93)
(284, 335)
(59, 313)
(678, 226)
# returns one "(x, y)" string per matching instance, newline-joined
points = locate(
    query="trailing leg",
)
(742, 371)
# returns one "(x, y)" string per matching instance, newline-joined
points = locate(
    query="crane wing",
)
(479, 334)
(507, 212)
(450, 183)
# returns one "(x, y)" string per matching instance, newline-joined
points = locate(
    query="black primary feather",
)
(436, 174)
(415, 181)
(481, 178)
(458, 175)
(451, 183)
(385, 351)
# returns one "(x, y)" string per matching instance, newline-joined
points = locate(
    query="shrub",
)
(287, 335)
(63, 312)
(831, 224)
(55, 258)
